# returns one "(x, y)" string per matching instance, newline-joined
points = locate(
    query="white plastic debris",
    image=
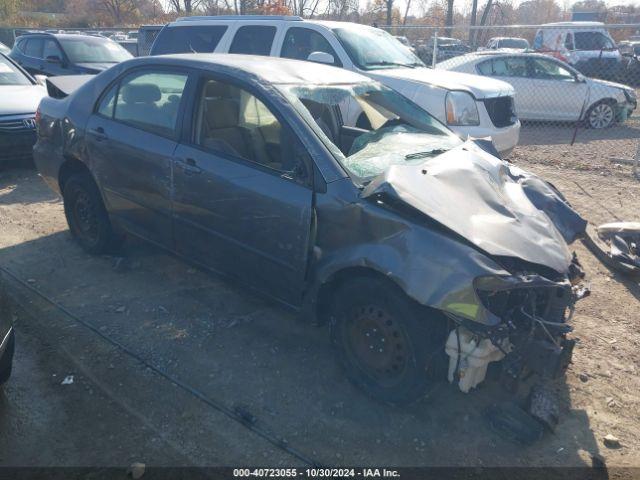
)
(68, 380)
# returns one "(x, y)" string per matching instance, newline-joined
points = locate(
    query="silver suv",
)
(470, 105)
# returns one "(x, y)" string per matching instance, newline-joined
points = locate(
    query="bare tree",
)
(187, 6)
(389, 5)
(472, 22)
(406, 12)
(118, 10)
(449, 18)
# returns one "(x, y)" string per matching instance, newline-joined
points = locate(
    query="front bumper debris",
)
(532, 336)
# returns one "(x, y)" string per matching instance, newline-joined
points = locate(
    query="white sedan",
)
(550, 90)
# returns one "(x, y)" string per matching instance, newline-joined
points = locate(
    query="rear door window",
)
(190, 39)
(34, 47)
(148, 100)
(253, 40)
(504, 67)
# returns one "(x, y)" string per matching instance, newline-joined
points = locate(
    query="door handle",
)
(99, 134)
(189, 166)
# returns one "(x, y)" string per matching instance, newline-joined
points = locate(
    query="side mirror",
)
(41, 79)
(580, 78)
(54, 59)
(321, 57)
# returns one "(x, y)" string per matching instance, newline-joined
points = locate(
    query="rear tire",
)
(6, 361)
(383, 345)
(86, 215)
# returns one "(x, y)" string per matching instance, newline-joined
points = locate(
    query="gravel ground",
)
(239, 350)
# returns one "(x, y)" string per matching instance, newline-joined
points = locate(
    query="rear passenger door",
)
(514, 70)
(131, 139)
(242, 191)
(253, 40)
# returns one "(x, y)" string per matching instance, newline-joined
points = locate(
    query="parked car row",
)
(397, 233)
(548, 89)
(586, 46)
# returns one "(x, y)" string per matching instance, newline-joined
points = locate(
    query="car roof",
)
(59, 35)
(210, 20)
(498, 53)
(273, 70)
(574, 24)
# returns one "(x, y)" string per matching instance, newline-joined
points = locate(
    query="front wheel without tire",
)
(382, 343)
(87, 218)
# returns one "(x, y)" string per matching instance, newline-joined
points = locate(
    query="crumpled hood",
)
(98, 67)
(501, 209)
(480, 87)
(20, 98)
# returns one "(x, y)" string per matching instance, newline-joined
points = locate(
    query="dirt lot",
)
(233, 349)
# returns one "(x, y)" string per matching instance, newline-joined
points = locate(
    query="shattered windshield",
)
(369, 127)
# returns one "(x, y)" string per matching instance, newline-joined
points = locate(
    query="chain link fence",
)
(575, 85)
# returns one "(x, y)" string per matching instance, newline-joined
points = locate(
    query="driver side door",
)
(242, 191)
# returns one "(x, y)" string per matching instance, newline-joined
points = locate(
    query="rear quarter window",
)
(188, 39)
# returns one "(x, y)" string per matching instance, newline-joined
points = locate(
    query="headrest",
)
(315, 109)
(215, 89)
(141, 93)
(222, 113)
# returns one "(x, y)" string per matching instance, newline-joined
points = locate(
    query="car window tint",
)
(51, 49)
(34, 47)
(548, 70)
(107, 104)
(151, 101)
(299, 43)
(198, 39)
(253, 40)
(234, 122)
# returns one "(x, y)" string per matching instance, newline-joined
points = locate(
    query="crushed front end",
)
(529, 331)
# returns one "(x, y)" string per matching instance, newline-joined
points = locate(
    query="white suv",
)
(470, 105)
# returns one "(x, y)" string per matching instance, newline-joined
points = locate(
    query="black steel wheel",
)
(380, 339)
(87, 218)
(6, 361)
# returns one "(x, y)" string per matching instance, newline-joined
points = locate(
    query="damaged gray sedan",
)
(409, 242)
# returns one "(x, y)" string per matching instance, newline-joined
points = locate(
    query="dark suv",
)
(66, 54)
